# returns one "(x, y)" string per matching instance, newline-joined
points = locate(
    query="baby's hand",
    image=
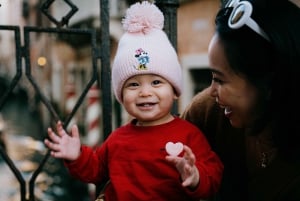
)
(63, 145)
(186, 167)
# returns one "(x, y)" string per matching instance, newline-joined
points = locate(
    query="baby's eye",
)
(156, 82)
(132, 84)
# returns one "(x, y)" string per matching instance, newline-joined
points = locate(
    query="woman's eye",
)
(215, 79)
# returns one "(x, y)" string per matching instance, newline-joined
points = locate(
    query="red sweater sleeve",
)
(89, 167)
(209, 166)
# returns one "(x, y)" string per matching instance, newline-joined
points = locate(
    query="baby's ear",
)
(175, 94)
(175, 97)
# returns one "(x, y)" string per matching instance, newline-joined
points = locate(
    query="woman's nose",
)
(213, 90)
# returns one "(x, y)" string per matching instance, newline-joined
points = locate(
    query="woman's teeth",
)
(227, 110)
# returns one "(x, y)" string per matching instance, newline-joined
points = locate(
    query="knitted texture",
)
(144, 48)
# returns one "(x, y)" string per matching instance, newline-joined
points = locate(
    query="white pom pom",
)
(142, 17)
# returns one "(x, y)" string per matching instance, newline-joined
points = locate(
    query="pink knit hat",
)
(145, 48)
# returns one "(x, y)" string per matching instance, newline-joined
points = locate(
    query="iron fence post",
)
(169, 8)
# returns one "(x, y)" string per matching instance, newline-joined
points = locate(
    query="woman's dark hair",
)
(273, 67)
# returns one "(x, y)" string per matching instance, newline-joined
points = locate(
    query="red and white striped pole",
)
(93, 136)
(70, 102)
(93, 113)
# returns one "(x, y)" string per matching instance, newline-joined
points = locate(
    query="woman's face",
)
(236, 95)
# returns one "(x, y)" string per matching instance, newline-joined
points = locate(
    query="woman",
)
(254, 59)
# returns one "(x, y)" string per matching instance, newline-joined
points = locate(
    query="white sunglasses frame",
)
(245, 18)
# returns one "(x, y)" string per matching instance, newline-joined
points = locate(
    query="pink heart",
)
(174, 149)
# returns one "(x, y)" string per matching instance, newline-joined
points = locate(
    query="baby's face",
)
(149, 98)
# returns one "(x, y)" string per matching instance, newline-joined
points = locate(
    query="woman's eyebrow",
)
(216, 72)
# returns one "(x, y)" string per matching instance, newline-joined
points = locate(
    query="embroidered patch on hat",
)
(143, 59)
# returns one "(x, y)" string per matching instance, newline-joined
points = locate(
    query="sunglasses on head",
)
(241, 15)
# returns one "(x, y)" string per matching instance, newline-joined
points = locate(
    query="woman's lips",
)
(227, 109)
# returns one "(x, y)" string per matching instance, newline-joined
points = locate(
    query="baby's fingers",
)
(189, 155)
(187, 182)
(53, 137)
(60, 130)
(56, 150)
(192, 176)
(51, 145)
(171, 159)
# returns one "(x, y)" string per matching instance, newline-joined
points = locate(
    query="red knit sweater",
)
(133, 158)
